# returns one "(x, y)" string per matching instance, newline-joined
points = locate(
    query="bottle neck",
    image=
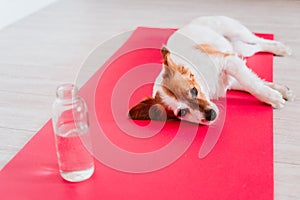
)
(66, 92)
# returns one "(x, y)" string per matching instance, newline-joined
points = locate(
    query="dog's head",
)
(179, 96)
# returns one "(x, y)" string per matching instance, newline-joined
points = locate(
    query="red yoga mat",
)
(240, 166)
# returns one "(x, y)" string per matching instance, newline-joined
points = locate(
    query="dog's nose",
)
(210, 114)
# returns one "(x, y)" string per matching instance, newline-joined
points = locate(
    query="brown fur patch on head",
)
(169, 92)
(209, 49)
(178, 82)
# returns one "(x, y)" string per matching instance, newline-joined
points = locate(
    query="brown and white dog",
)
(201, 61)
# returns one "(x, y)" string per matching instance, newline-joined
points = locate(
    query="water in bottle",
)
(71, 128)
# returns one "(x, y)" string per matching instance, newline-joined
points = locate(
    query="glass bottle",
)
(71, 129)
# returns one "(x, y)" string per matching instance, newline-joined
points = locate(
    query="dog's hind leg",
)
(247, 49)
(244, 42)
(250, 82)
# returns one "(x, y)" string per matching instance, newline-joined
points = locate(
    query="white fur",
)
(216, 73)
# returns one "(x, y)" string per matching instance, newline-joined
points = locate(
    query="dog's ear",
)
(165, 53)
(168, 64)
(149, 108)
(168, 72)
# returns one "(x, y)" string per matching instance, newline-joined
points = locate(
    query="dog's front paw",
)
(276, 100)
(281, 49)
(288, 94)
(271, 96)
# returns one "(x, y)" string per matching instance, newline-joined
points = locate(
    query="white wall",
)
(14, 10)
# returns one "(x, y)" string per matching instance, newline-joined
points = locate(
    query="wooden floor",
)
(45, 49)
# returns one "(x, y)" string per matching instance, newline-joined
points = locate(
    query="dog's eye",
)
(194, 92)
(182, 112)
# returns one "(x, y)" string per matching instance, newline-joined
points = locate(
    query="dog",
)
(201, 61)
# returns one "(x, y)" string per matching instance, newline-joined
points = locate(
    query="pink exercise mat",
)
(240, 166)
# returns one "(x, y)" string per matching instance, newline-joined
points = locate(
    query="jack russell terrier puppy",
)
(189, 81)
